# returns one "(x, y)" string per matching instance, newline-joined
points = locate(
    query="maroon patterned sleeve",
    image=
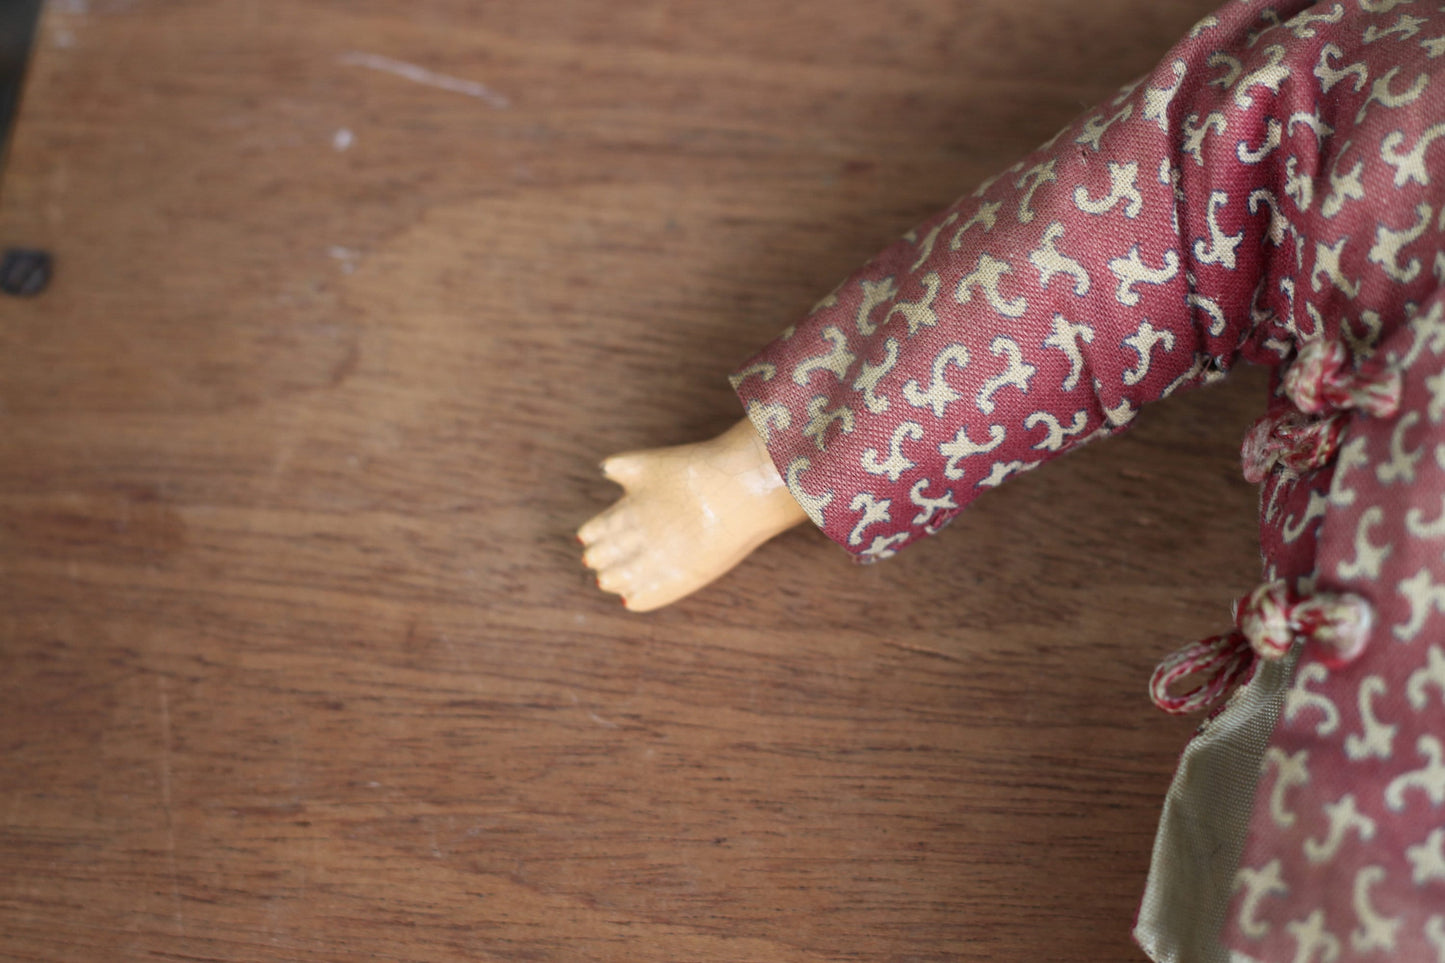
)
(1139, 251)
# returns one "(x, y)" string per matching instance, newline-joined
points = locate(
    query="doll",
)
(1269, 193)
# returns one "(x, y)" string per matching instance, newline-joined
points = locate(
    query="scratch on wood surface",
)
(430, 78)
(921, 650)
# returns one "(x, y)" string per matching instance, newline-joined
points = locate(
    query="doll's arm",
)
(984, 342)
(1176, 228)
(690, 514)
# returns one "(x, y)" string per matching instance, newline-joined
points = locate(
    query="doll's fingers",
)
(636, 581)
(602, 525)
(622, 469)
(608, 552)
(645, 600)
(616, 580)
(639, 583)
(645, 593)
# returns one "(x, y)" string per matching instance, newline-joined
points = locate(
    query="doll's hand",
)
(688, 515)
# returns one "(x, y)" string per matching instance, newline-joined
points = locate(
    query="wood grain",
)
(297, 658)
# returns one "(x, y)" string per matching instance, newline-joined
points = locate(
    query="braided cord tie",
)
(1290, 440)
(1219, 663)
(1340, 624)
(1320, 382)
(1269, 621)
(1322, 379)
(1265, 617)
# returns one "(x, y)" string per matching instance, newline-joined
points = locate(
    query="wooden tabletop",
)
(297, 657)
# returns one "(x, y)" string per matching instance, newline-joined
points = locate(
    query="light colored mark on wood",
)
(348, 257)
(430, 78)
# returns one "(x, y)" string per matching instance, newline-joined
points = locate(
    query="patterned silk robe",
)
(1272, 192)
